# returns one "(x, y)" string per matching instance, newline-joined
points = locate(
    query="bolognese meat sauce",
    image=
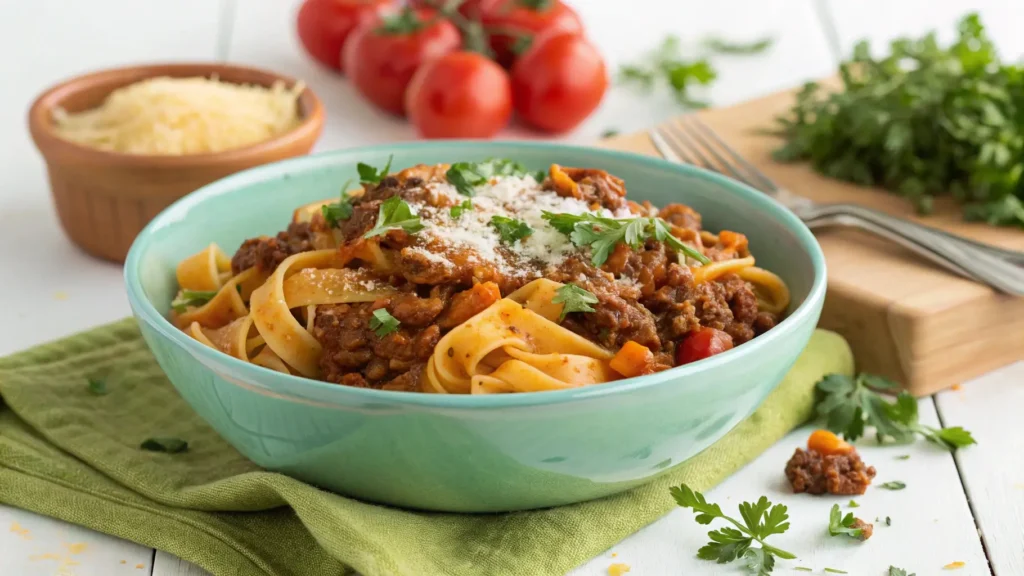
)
(646, 293)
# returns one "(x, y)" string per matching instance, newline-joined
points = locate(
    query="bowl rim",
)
(50, 144)
(293, 385)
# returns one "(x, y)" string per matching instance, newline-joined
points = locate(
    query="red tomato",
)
(532, 18)
(382, 55)
(558, 82)
(702, 343)
(324, 25)
(459, 95)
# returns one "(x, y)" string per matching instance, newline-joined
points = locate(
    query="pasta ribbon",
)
(515, 345)
(202, 271)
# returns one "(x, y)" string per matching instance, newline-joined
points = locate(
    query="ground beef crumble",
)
(841, 474)
(866, 529)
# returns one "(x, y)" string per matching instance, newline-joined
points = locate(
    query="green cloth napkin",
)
(72, 454)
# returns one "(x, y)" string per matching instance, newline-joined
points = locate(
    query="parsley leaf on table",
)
(722, 46)
(368, 175)
(395, 214)
(760, 520)
(510, 229)
(603, 234)
(192, 298)
(457, 210)
(894, 485)
(164, 444)
(383, 323)
(922, 121)
(835, 571)
(466, 176)
(97, 387)
(573, 299)
(337, 211)
(894, 571)
(848, 404)
(839, 524)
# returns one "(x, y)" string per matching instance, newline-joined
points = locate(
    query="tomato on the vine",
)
(459, 95)
(558, 82)
(515, 23)
(324, 25)
(382, 55)
(469, 8)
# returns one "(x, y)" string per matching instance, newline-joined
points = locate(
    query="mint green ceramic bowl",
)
(469, 453)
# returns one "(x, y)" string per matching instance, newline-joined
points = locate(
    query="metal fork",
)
(690, 141)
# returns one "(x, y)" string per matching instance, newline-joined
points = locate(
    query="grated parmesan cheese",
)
(178, 116)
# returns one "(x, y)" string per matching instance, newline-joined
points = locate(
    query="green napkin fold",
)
(72, 454)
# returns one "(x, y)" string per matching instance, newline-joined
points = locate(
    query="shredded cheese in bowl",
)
(180, 116)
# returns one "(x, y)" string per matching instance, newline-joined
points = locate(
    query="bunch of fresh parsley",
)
(922, 121)
(760, 520)
(667, 64)
(602, 234)
(848, 405)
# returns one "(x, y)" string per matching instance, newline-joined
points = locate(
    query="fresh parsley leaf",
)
(835, 571)
(466, 176)
(888, 521)
(721, 46)
(383, 323)
(457, 210)
(894, 485)
(609, 133)
(192, 298)
(839, 524)
(894, 571)
(510, 229)
(759, 562)
(853, 504)
(164, 444)
(573, 299)
(603, 234)
(907, 456)
(923, 120)
(338, 211)
(97, 387)
(395, 214)
(803, 569)
(760, 520)
(369, 176)
(849, 404)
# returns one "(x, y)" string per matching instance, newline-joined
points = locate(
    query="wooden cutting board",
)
(905, 318)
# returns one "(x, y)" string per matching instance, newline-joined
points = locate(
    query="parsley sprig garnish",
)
(368, 175)
(383, 323)
(894, 571)
(340, 210)
(848, 404)
(573, 299)
(457, 210)
(510, 229)
(466, 176)
(395, 214)
(192, 298)
(839, 524)
(760, 520)
(603, 234)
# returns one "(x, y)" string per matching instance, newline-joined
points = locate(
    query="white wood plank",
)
(36, 545)
(993, 471)
(864, 19)
(264, 36)
(167, 564)
(931, 522)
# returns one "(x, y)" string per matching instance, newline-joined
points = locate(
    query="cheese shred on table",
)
(179, 116)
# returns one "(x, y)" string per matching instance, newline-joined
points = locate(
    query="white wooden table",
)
(966, 509)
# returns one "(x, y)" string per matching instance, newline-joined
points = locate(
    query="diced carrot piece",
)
(828, 444)
(563, 183)
(633, 360)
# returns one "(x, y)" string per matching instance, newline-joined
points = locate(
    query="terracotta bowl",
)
(104, 199)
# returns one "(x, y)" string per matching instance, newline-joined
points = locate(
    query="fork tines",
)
(693, 142)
